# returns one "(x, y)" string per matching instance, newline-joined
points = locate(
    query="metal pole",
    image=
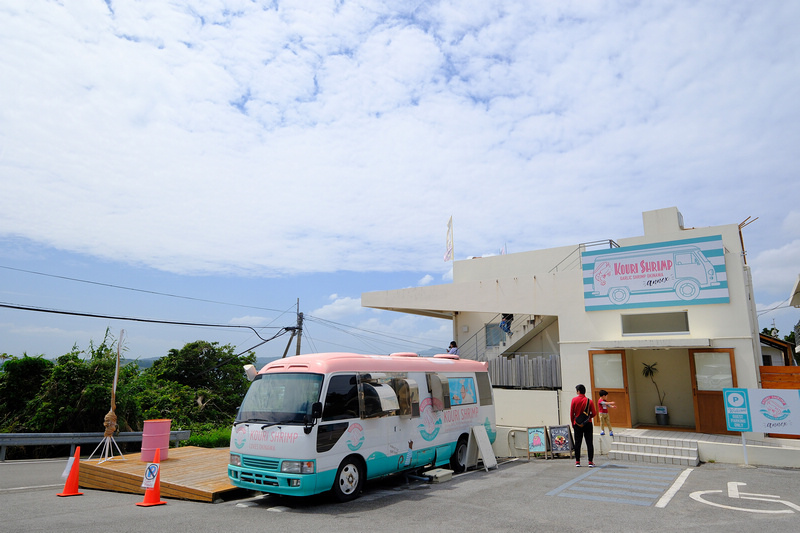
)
(744, 449)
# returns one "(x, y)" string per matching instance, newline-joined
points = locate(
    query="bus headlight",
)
(236, 460)
(297, 467)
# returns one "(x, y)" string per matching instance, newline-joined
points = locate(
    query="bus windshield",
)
(280, 398)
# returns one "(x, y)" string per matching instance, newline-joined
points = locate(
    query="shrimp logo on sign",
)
(355, 436)
(240, 436)
(431, 420)
(774, 408)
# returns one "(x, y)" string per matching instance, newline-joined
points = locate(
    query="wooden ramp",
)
(189, 473)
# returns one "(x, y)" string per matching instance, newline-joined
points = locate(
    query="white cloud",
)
(427, 279)
(339, 308)
(248, 321)
(270, 139)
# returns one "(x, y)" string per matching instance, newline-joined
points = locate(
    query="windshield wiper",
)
(282, 422)
(250, 420)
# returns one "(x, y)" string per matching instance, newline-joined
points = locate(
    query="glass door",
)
(713, 369)
(608, 373)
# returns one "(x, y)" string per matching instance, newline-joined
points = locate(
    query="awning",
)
(795, 301)
(651, 344)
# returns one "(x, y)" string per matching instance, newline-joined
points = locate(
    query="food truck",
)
(329, 422)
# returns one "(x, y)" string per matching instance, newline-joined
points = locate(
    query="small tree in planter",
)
(649, 371)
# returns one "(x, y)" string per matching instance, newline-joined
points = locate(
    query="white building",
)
(676, 296)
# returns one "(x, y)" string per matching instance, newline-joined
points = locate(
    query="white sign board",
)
(768, 410)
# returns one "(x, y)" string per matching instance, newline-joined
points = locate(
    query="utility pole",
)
(297, 330)
(299, 326)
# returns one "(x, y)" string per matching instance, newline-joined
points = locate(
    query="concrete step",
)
(664, 459)
(672, 451)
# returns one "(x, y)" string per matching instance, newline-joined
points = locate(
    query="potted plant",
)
(662, 416)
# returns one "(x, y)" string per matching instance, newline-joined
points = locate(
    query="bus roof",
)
(326, 363)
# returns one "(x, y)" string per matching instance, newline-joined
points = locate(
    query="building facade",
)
(676, 300)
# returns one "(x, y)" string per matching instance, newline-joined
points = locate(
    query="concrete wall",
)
(527, 408)
(516, 411)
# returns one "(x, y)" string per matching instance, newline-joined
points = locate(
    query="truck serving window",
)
(440, 391)
(407, 396)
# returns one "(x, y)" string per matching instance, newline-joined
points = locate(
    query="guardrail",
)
(43, 439)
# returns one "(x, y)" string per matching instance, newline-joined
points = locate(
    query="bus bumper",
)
(273, 482)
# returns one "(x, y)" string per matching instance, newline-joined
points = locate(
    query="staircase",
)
(671, 450)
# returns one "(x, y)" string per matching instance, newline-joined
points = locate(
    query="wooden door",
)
(712, 370)
(608, 372)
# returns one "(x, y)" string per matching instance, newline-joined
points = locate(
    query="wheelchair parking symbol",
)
(733, 493)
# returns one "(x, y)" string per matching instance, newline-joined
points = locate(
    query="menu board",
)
(560, 439)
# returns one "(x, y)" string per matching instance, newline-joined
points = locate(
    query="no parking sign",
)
(150, 476)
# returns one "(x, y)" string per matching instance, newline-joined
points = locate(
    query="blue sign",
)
(737, 410)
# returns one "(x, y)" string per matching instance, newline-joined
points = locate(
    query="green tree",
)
(77, 394)
(201, 382)
(20, 381)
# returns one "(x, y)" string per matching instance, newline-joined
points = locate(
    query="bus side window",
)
(484, 388)
(341, 402)
(440, 391)
(407, 396)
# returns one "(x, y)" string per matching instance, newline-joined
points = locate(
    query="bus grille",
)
(259, 479)
(260, 463)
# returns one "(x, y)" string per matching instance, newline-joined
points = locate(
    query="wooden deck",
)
(189, 473)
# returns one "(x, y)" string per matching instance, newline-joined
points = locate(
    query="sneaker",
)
(591, 464)
(603, 433)
(610, 433)
(578, 463)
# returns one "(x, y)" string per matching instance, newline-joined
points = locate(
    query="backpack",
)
(583, 416)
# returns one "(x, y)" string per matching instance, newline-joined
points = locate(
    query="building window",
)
(655, 323)
(494, 335)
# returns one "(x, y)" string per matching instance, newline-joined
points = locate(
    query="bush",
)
(208, 436)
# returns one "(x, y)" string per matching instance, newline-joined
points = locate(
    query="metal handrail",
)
(43, 439)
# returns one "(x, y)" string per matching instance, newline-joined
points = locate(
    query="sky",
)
(228, 162)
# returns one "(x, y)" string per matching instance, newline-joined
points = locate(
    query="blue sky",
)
(253, 153)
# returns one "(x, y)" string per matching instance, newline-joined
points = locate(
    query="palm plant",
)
(649, 371)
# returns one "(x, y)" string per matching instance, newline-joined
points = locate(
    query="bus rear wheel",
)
(349, 479)
(458, 462)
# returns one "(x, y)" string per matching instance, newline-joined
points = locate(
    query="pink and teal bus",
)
(331, 421)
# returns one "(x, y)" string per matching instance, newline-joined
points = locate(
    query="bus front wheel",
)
(458, 462)
(349, 479)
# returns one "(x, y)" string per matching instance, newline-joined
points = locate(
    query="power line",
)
(138, 290)
(778, 306)
(344, 328)
(341, 327)
(133, 319)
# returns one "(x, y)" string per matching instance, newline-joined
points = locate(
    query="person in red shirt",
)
(603, 404)
(581, 403)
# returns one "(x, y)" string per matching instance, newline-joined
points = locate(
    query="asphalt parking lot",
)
(541, 495)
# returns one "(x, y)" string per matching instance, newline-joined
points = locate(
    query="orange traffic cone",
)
(153, 496)
(71, 486)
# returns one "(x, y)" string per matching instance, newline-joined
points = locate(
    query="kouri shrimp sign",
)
(685, 272)
(763, 410)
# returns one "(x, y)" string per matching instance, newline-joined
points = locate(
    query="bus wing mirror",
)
(250, 371)
(316, 410)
